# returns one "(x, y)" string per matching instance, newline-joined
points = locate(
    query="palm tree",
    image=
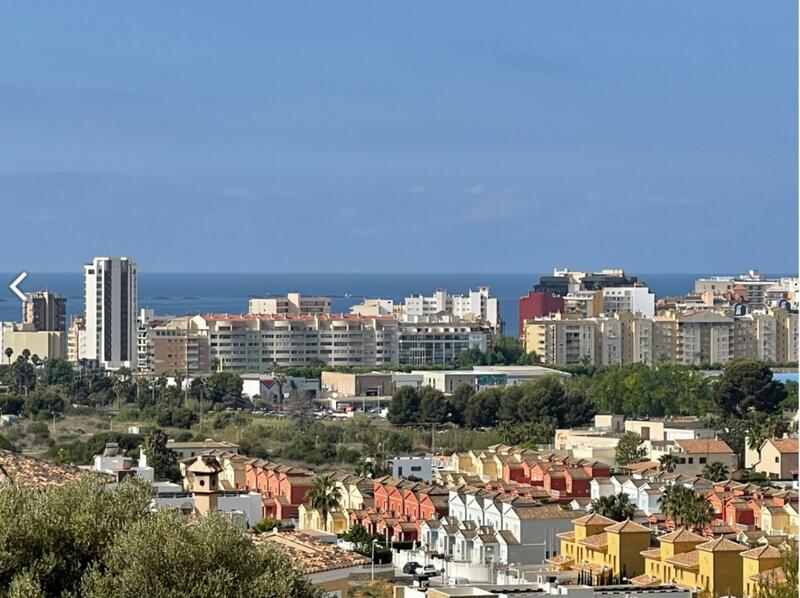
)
(685, 508)
(617, 507)
(9, 352)
(716, 472)
(667, 462)
(26, 353)
(324, 497)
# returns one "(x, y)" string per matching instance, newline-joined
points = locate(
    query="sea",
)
(192, 293)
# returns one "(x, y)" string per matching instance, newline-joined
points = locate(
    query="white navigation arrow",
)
(13, 285)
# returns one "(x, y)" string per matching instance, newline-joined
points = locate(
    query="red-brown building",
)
(538, 305)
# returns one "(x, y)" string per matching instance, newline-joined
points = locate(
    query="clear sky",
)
(406, 136)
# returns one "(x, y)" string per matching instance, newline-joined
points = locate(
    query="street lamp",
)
(372, 575)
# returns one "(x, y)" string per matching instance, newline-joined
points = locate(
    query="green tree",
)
(324, 497)
(617, 507)
(299, 407)
(459, 400)
(162, 555)
(482, 408)
(50, 538)
(715, 471)
(162, 459)
(433, 406)
(685, 507)
(405, 406)
(629, 449)
(224, 387)
(9, 352)
(509, 405)
(747, 386)
(57, 371)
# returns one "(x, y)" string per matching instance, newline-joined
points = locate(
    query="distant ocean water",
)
(184, 293)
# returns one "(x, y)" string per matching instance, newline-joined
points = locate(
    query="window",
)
(703, 460)
(691, 460)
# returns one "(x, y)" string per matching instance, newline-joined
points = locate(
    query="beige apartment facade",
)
(290, 304)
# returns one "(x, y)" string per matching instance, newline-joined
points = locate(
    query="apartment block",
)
(636, 300)
(45, 311)
(253, 342)
(76, 339)
(111, 297)
(291, 304)
(478, 306)
(426, 343)
(167, 347)
(559, 341)
(538, 305)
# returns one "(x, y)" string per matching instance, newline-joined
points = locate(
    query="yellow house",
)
(689, 561)
(774, 519)
(756, 562)
(354, 492)
(309, 518)
(463, 462)
(792, 525)
(598, 544)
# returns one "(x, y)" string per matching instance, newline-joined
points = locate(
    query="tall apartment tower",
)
(46, 311)
(111, 291)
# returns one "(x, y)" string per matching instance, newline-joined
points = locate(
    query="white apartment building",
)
(756, 289)
(290, 304)
(474, 306)
(256, 343)
(637, 300)
(111, 296)
(423, 343)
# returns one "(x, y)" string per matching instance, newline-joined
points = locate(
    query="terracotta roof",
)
(559, 559)
(641, 465)
(682, 535)
(31, 472)
(721, 545)
(311, 555)
(776, 575)
(651, 553)
(594, 519)
(550, 511)
(710, 446)
(596, 541)
(784, 445)
(763, 552)
(645, 580)
(508, 537)
(627, 527)
(689, 560)
(569, 536)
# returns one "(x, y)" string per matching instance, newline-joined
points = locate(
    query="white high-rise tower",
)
(111, 292)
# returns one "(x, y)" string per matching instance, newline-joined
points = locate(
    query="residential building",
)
(439, 343)
(597, 545)
(536, 305)
(292, 304)
(45, 311)
(694, 454)
(475, 306)
(327, 567)
(752, 289)
(694, 562)
(559, 341)
(169, 346)
(42, 343)
(252, 342)
(563, 282)
(419, 468)
(76, 339)
(637, 300)
(185, 450)
(374, 307)
(111, 296)
(756, 562)
(778, 458)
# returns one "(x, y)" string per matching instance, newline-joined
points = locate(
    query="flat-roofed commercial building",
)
(45, 344)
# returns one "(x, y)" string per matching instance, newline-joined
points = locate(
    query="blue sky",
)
(413, 136)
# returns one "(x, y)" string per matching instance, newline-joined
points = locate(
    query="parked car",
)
(430, 570)
(411, 567)
(458, 581)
